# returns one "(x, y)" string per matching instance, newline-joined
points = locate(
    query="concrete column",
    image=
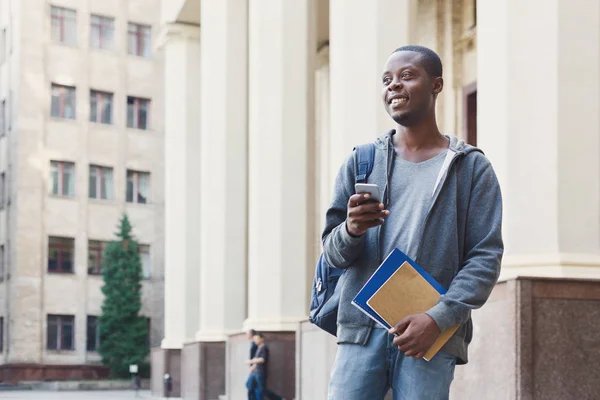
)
(182, 186)
(362, 36)
(282, 51)
(538, 122)
(223, 204)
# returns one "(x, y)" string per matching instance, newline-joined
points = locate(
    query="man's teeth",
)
(398, 101)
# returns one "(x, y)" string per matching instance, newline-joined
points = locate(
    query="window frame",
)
(60, 268)
(100, 171)
(1, 335)
(139, 32)
(98, 246)
(96, 333)
(103, 23)
(63, 16)
(136, 186)
(137, 106)
(146, 246)
(3, 119)
(102, 98)
(3, 45)
(63, 95)
(61, 178)
(2, 261)
(61, 321)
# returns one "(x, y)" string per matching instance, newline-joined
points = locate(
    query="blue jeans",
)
(255, 385)
(368, 372)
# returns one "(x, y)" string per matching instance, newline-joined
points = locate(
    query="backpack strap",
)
(365, 158)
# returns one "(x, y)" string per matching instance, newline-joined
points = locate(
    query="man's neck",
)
(419, 137)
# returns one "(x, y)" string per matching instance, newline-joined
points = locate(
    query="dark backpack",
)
(325, 298)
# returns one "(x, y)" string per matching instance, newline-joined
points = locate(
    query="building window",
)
(9, 110)
(63, 102)
(62, 175)
(2, 46)
(470, 113)
(2, 262)
(149, 327)
(138, 186)
(60, 254)
(2, 189)
(93, 333)
(1, 334)
(61, 332)
(137, 112)
(2, 117)
(102, 32)
(101, 182)
(144, 251)
(139, 40)
(64, 25)
(101, 107)
(96, 250)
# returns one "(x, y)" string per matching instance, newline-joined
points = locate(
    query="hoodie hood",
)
(457, 145)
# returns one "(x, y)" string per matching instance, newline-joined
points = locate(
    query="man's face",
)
(258, 340)
(250, 335)
(408, 92)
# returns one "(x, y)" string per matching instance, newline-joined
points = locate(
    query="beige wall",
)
(34, 292)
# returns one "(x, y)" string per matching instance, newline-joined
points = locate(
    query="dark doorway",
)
(470, 113)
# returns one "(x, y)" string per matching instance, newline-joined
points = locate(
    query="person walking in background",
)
(257, 380)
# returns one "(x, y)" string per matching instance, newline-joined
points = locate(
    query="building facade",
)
(266, 98)
(81, 143)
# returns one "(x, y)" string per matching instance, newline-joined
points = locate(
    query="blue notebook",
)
(382, 275)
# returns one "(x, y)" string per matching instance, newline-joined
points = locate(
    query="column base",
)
(165, 361)
(281, 369)
(203, 366)
(540, 330)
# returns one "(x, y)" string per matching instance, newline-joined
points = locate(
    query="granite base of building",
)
(281, 370)
(15, 373)
(165, 361)
(203, 370)
(535, 339)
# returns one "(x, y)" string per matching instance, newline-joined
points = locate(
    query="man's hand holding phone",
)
(364, 213)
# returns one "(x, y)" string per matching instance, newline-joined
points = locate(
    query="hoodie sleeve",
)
(339, 247)
(484, 247)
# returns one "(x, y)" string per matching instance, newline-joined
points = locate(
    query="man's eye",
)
(386, 80)
(406, 75)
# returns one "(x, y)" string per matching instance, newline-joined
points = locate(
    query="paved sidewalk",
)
(80, 395)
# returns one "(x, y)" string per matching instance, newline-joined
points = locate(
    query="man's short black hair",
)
(252, 332)
(260, 335)
(431, 61)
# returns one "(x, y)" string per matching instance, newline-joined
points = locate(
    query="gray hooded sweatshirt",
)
(461, 244)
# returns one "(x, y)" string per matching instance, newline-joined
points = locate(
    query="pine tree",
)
(123, 332)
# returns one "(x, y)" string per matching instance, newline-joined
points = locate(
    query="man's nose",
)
(394, 85)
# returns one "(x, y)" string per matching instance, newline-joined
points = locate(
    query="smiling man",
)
(442, 206)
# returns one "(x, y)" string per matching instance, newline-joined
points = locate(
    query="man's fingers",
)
(357, 199)
(400, 326)
(370, 216)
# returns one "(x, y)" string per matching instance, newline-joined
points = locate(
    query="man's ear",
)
(438, 85)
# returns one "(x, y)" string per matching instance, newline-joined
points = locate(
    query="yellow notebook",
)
(399, 289)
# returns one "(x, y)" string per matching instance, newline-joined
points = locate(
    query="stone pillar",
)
(281, 72)
(538, 122)
(282, 52)
(362, 35)
(182, 188)
(223, 202)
